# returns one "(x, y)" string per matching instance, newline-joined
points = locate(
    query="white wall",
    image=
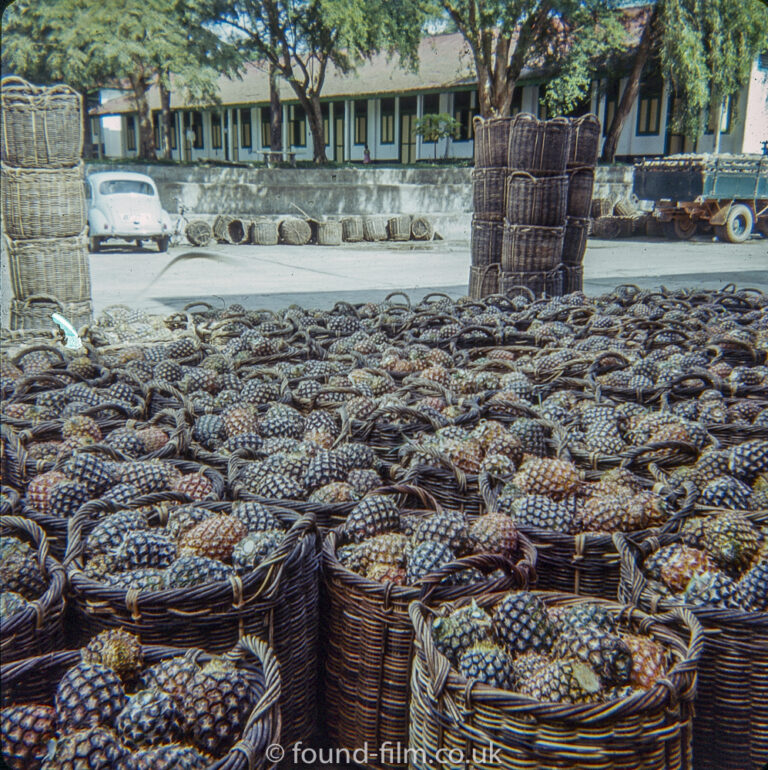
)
(756, 111)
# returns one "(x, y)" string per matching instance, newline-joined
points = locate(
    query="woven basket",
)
(352, 229)
(264, 232)
(601, 207)
(57, 266)
(230, 230)
(549, 283)
(198, 232)
(278, 602)
(501, 730)
(575, 240)
(295, 231)
(573, 278)
(491, 141)
(488, 193)
(42, 127)
(43, 203)
(252, 656)
(399, 228)
(487, 237)
(10, 502)
(375, 228)
(730, 731)
(613, 227)
(35, 312)
(625, 207)
(536, 201)
(328, 233)
(581, 184)
(483, 281)
(421, 229)
(528, 249)
(539, 146)
(39, 628)
(585, 143)
(368, 641)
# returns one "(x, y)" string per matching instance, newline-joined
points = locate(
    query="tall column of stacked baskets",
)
(119, 703)
(223, 570)
(387, 555)
(546, 680)
(716, 568)
(585, 145)
(43, 203)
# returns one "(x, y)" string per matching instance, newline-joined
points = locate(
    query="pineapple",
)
(457, 632)
(88, 695)
(40, 488)
(715, 589)
(196, 486)
(605, 652)
(542, 476)
(731, 539)
(116, 649)
(562, 681)
(494, 533)
(26, 731)
(149, 718)
(183, 518)
(543, 513)
(753, 587)
(145, 548)
(449, 527)
(677, 564)
(648, 660)
(93, 748)
(521, 622)
(364, 480)
(171, 675)
(215, 537)
(142, 579)
(81, 425)
(373, 515)
(108, 534)
(488, 663)
(67, 497)
(255, 516)
(192, 570)
(427, 557)
(20, 570)
(91, 471)
(382, 572)
(249, 552)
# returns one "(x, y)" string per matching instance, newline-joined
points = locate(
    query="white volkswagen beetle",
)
(125, 205)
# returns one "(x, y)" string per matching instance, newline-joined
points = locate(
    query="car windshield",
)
(124, 186)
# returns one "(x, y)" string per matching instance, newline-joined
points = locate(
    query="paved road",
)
(318, 276)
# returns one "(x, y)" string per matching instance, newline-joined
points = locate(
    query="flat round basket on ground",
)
(374, 228)
(730, 731)
(264, 232)
(368, 640)
(251, 656)
(530, 249)
(585, 142)
(198, 232)
(399, 228)
(625, 207)
(56, 266)
(228, 229)
(352, 229)
(538, 146)
(487, 237)
(328, 233)
(421, 229)
(35, 312)
(601, 207)
(42, 127)
(496, 729)
(581, 184)
(491, 140)
(536, 201)
(295, 231)
(43, 203)
(277, 601)
(38, 628)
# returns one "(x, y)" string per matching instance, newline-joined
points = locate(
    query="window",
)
(156, 129)
(517, 101)
(361, 121)
(174, 140)
(725, 122)
(649, 107)
(125, 187)
(611, 104)
(387, 121)
(762, 61)
(541, 111)
(325, 112)
(196, 124)
(245, 127)
(431, 104)
(130, 133)
(216, 130)
(297, 126)
(463, 103)
(266, 128)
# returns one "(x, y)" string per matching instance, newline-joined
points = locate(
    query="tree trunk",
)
(631, 89)
(165, 120)
(315, 115)
(146, 134)
(275, 112)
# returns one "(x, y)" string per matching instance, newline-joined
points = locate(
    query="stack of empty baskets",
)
(43, 204)
(528, 186)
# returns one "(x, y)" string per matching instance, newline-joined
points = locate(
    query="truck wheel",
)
(738, 225)
(682, 229)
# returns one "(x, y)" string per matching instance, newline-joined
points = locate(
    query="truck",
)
(727, 193)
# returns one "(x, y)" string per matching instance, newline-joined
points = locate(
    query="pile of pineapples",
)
(389, 546)
(110, 710)
(721, 560)
(21, 580)
(572, 653)
(196, 546)
(88, 476)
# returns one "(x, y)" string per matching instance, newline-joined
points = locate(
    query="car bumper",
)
(133, 234)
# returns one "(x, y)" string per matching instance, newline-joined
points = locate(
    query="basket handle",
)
(252, 646)
(36, 532)
(411, 489)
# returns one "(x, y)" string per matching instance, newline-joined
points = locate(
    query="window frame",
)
(265, 123)
(130, 133)
(387, 120)
(464, 115)
(612, 98)
(244, 118)
(650, 91)
(297, 123)
(425, 110)
(360, 122)
(217, 141)
(196, 124)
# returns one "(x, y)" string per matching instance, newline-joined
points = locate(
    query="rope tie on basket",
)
(39, 612)
(132, 603)
(248, 750)
(673, 694)
(237, 591)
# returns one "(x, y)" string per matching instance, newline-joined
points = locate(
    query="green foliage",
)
(436, 126)
(707, 48)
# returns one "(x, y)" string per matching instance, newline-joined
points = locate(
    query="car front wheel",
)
(162, 244)
(95, 244)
